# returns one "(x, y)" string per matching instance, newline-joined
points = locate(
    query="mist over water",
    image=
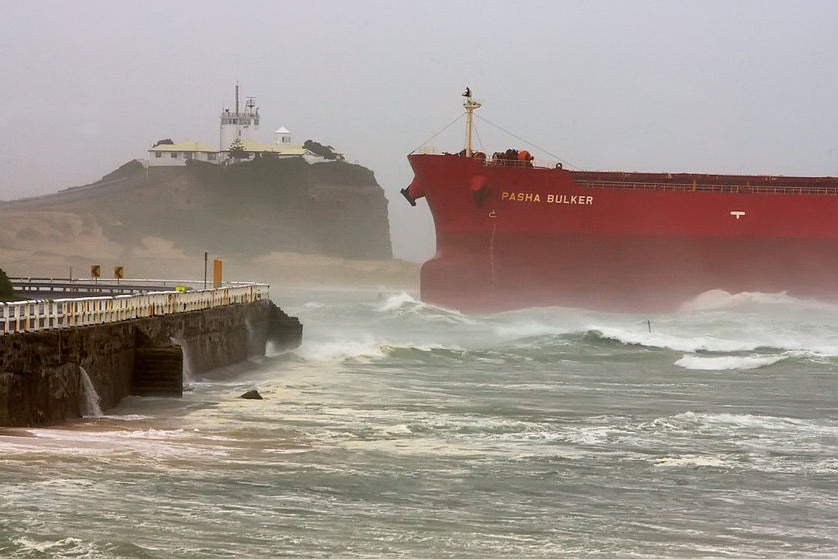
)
(399, 429)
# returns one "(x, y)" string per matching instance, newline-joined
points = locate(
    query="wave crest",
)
(717, 299)
(728, 362)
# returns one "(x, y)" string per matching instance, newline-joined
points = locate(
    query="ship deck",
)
(673, 182)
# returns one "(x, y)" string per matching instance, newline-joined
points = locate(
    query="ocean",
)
(399, 429)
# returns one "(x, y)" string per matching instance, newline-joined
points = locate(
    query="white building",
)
(282, 136)
(239, 125)
(168, 154)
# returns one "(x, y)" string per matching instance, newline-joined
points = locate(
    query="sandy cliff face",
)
(158, 222)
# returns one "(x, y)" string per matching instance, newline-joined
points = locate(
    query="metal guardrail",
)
(691, 187)
(104, 286)
(47, 314)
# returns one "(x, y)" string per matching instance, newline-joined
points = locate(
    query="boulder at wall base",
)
(251, 395)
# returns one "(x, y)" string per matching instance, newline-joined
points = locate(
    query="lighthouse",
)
(240, 124)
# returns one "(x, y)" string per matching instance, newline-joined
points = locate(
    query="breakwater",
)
(46, 354)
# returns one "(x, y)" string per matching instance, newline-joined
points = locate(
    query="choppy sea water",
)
(403, 430)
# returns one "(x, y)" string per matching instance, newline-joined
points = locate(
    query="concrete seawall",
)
(42, 373)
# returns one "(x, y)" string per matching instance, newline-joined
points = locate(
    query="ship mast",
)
(469, 104)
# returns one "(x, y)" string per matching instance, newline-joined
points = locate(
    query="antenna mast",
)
(469, 104)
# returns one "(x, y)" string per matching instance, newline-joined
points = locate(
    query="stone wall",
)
(41, 372)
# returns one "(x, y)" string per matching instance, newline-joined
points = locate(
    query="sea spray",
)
(253, 345)
(188, 376)
(91, 402)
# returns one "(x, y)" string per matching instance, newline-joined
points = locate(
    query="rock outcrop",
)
(247, 209)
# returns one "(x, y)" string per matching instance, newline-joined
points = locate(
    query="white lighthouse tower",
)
(239, 124)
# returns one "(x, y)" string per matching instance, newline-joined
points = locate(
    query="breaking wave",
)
(727, 362)
(717, 299)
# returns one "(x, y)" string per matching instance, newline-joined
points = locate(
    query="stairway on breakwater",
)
(158, 371)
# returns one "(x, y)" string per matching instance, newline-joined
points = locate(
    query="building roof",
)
(185, 146)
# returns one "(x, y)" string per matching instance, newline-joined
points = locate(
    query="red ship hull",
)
(510, 235)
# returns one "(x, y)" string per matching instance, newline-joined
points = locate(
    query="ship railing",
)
(694, 187)
(48, 314)
(496, 162)
(531, 163)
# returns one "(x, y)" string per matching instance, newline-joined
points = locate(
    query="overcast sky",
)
(717, 86)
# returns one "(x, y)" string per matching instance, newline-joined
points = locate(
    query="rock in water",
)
(251, 395)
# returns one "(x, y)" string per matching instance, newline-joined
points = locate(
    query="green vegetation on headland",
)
(7, 292)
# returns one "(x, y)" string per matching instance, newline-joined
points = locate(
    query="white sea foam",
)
(154, 434)
(678, 341)
(127, 417)
(67, 547)
(693, 460)
(728, 362)
(338, 350)
(428, 347)
(405, 305)
(725, 331)
(398, 301)
(528, 329)
(718, 299)
(103, 436)
(728, 422)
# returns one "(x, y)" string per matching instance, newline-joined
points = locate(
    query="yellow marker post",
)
(216, 274)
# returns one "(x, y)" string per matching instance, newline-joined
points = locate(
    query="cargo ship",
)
(512, 234)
